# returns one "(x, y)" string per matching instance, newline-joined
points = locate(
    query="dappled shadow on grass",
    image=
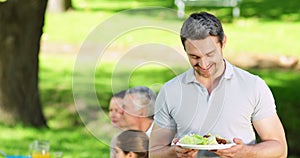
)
(267, 10)
(96, 9)
(260, 9)
(120, 5)
(271, 10)
(285, 85)
(155, 12)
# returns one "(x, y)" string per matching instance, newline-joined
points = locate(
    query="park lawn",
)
(73, 142)
(67, 132)
(283, 83)
(268, 33)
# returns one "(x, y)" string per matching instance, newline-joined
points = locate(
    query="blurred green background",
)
(265, 30)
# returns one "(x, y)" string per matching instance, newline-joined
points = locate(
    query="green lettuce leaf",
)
(194, 139)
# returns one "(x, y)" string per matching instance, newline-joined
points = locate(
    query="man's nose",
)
(203, 63)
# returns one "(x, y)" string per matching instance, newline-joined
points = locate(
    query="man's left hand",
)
(236, 151)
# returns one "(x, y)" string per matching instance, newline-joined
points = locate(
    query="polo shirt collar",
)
(190, 77)
(228, 70)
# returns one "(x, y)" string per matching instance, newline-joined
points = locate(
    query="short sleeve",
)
(162, 115)
(265, 103)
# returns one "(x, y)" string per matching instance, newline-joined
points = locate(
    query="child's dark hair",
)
(133, 141)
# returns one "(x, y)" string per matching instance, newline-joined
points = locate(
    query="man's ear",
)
(130, 154)
(224, 41)
(142, 113)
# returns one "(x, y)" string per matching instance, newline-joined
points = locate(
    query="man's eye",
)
(194, 57)
(210, 54)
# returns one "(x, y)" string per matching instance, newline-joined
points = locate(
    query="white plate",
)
(206, 147)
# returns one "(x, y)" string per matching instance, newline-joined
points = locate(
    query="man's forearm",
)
(271, 149)
(163, 152)
(267, 149)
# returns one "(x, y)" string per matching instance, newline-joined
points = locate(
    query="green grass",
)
(248, 36)
(117, 5)
(67, 132)
(284, 85)
(256, 31)
(75, 142)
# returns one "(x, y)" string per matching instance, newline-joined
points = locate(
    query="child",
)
(131, 144)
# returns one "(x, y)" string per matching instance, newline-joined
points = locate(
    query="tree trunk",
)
(21, 24)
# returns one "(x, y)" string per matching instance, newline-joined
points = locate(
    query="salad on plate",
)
(206, 142)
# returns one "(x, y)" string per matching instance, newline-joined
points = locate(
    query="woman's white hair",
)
(143, 98)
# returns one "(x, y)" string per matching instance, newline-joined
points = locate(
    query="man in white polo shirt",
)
(215, 97)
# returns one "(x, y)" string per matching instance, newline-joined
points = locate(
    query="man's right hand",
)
(184, 152)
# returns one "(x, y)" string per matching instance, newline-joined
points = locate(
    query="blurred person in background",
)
(116, 113)
(138, 106)
(131, 144)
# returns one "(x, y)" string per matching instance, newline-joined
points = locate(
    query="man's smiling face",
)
(206, 57)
